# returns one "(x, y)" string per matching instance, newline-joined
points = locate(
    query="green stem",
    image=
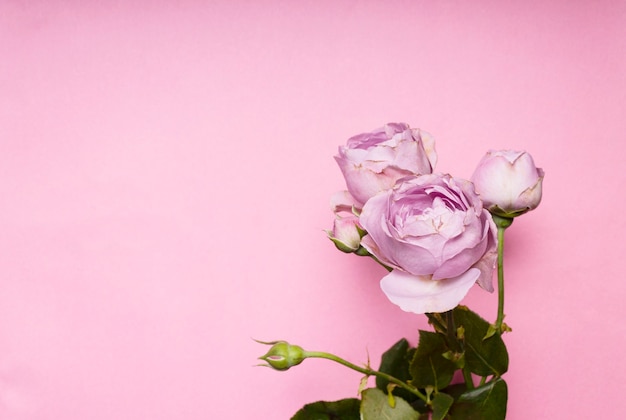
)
(467, 377)
(500, 317)
(451, 332)
(362, 252)
(367, 371)
(502, 223)
(459, 347)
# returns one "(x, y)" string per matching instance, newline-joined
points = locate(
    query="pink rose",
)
(508, 182)
(433, 232)
(345, 233)
(373, 162)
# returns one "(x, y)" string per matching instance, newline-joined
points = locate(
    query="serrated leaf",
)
(483, 356)
(429, 366)
(375, 406)
(441, 405)
(487, 402)
(346, 409)
(396, 362)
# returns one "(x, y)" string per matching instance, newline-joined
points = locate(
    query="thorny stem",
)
(367, 371)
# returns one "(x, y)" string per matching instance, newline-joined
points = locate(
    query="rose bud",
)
(282, 355)
(508, 182)
(346, 233)
(373, 162)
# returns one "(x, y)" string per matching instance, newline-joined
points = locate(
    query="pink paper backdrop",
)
(165, 170)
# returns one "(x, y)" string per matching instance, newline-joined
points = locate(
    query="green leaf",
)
(487, 402)
(347, 409)
(483, 356)
(375, 406)
(436, 320)
(395, 362)
(429, 366)
(441, 404)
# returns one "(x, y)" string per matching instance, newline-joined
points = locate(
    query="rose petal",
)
(342, 201)
(508, 182)
(397, 253)
(420, 294)
(373, 162)
(486, 266)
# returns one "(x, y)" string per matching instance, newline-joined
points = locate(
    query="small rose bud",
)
(508, 182)
(345, 234)
(282, 355)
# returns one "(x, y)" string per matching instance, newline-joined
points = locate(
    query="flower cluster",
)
(433, 231)
(437, 235)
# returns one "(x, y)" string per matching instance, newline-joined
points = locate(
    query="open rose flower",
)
(508, 182)
(373, 162)
(433, 232)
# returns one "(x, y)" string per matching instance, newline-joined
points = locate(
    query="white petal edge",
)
(420, 294)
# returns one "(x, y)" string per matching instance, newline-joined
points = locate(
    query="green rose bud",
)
(282, 355)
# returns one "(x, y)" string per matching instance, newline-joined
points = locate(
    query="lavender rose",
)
(373, 162)
(508, 182)
(433, 232)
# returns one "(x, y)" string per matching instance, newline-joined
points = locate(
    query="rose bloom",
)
(508, 182)
(433, 232)
(373, 162)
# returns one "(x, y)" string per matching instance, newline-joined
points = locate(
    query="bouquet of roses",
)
(437, 236)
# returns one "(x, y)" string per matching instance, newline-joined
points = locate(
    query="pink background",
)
(165, 171)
